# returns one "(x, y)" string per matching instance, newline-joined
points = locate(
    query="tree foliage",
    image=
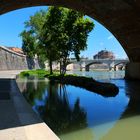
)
(58, 32)
(28, 43)
(30, 36)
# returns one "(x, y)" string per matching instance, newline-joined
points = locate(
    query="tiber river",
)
(76, 114)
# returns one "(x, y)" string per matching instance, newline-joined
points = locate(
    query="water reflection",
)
(75, 113)
(127, 127)
(133, 91)
(51, 102)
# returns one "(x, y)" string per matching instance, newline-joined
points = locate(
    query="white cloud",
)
(110, 37)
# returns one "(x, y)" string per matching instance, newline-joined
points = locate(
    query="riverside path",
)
(17, 119)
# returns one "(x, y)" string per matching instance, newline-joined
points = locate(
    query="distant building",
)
(17, 50)
(104, 54)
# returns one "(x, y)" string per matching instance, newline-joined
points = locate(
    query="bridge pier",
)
(87, 68)
(114, 68)
(110, 67)
(132, 71)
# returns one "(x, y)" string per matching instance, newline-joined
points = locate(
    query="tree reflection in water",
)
(54, 109)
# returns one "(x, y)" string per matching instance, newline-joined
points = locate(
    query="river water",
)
(76, 114)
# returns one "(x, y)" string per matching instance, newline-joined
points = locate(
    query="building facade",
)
(104, 54)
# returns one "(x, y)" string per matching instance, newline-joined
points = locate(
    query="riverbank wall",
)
(10, 60)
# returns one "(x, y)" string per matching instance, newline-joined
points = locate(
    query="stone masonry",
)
(10, 60)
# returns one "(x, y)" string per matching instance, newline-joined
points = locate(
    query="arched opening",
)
(120, 18)
(97, 66)
(81, 7)
(73, 66)
(109, 14)
(108, 37)
(120, 66)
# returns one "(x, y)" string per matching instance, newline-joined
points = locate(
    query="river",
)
(76, 114)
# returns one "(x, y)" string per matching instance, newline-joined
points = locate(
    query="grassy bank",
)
(40, 73)
(104, 89)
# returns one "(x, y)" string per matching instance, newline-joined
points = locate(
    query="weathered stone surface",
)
(121, 17)
(132, 71)
(10, 60)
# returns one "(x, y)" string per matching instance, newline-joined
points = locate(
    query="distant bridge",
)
(86, 63)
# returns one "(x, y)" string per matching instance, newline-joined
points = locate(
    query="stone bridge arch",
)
(115, 66)
(73, 65)
(120, 17)
(87, 66)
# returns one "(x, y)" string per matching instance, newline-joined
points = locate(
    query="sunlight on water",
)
(124, 129)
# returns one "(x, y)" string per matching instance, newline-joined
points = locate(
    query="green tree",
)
(30, 36)
(77, 28)
(28, 43)
(65, 32)
(58, 32)
(51, 32)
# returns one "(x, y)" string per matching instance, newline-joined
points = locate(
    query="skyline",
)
(100, 38)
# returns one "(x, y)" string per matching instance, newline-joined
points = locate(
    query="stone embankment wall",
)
(10, 60)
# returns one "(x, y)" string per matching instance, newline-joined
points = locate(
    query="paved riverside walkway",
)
(17, 119)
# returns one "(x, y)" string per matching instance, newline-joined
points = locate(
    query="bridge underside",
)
(121, 17)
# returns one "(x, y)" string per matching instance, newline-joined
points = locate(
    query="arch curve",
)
(120, 17)
(124, 63)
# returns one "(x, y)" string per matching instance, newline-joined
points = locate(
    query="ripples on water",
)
(77, 114)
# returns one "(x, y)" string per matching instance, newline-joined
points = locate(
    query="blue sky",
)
(12, 23)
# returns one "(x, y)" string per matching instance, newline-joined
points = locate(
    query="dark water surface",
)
(76, 114)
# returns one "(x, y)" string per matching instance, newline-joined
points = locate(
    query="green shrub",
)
(39, 73)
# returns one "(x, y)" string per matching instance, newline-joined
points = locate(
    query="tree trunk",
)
(64, 69)
(60, 67)
(63, 65)
(50, 64)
